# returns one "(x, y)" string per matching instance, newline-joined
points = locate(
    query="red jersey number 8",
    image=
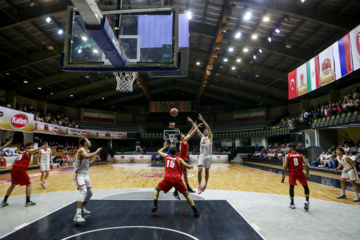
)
(296, 162)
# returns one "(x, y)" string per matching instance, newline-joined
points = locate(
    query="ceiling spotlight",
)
(238, 60)
(254, 36)
(254, 57)
(288, 45)
(95, 51)
(50, 47)
(51, 93)
(225, 59)
(71, 95)
(80, 50)
(257, 75)
(103, 98)
(269, 39)
(60, 31)
(286, 18)
(25, 81)
(39, 88)
(233, 68)
(260, 51)
(238, 35)
(189, 15)
(231, 49)
(266, 19)
(198, 63)
(84, 38)
(245, 50)
(87, 76)
(48, 19)
(302, 1)
(32, 3)
(277, 30)
(247, 15)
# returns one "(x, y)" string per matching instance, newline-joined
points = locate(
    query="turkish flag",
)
(292, 84)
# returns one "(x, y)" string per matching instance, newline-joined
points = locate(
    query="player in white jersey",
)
(83, 160)
(348, 173)
(205, 154)
(45, 159)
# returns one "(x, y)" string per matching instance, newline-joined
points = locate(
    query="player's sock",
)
(155, 202)
(196, 212)
(6, 198)
(342, 192)
(357, 195)
(27, 198)
(78, 211)
(292, 201)
(307, 198)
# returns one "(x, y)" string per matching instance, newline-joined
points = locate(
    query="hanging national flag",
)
(312, 68)
(98, 115)
(249, 115)
(355, 47)
(342, 56)
(292, 84)
(326, 63)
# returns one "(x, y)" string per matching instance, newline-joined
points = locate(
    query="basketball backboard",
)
(169, 134)
(150, 41)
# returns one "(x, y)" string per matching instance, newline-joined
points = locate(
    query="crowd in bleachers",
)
(273, 151)
(349, 103)
(327, 157)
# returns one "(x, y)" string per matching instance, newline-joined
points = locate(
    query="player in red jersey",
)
(19, 175)
(183, 154)
(295, 162)
(172, 178)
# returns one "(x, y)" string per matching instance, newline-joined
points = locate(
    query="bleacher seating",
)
(235, 127)
(105, 126)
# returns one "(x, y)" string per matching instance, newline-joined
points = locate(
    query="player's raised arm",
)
(30, 151)
(6, 144)
(194, 125)
(190, 134)
(307, 169)
(182, 162)
(85, 154)
(207, 126)
(161, 150)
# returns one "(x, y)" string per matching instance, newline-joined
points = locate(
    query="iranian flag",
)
(249, 115)
(312, 68)
(98, 115)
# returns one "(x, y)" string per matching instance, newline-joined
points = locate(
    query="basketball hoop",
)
(173, 139)
(125, 81)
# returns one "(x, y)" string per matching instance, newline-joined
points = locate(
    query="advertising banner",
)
(11, 119)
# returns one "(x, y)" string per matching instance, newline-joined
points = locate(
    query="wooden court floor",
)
(232, 177)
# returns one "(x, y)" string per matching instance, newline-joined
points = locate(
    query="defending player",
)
(45, 159)
(295, 161)
(83, 160)
(205, 154)
(172, 178)
(184, 149)
(19, 175)
(348, 173)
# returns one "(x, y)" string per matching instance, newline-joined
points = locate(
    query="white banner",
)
(355, 47)
(11, 119)
(214, 158)
(132, 158)
(326, 63)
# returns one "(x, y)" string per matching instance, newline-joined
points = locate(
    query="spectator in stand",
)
(329, 160)
(346, 148)
(317, 161)
(350, 143)
(333, 148)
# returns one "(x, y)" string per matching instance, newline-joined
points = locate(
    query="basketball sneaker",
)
(4, 204)
(85, 211)
(176, 195)
(203, 188)
(199, 190)
(306, 206)
(29, 204)
(78, 218)
(341, 196)
(292, 206)
(43, 185)
(282, 179)
(190, 190)
(154, 209)
(356, 200)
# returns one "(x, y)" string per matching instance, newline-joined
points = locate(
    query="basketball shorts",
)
(19, 176)
(82, 180)
(178, 184)
(45, 167)
(350, 175)
(204, 161)
(299, 176)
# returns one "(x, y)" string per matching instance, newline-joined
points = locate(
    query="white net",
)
(173, 139)
(125, 81)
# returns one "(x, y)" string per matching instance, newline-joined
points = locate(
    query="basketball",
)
(174, 112)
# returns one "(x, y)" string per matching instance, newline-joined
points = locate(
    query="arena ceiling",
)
(30, 50)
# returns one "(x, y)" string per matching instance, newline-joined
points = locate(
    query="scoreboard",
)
(166, 106)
